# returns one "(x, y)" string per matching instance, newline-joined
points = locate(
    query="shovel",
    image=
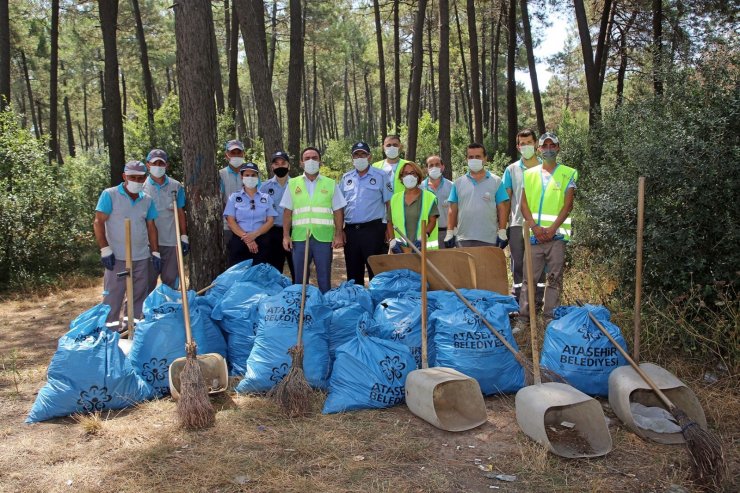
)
(212, 365)
(565, 420)
(129, 275)
(443, 397)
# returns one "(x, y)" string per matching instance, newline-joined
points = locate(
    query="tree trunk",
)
(592, 66)
(475, 74)
(40, 117)
(113, 119)
(345, 119)
(356, 115)
(657, 47)
(233, 52)
(511, 110)
(5, 54)
(31, 104)
(251, 21)
(146, 73)
(397, 66)
(496, 40)
(433, 89)
(169, 80)
(445, 147)
(54, 83)
(227, 28)
(295, 75)
(369, 115)
(273, 37)
(193, 36)
(218, 86)
(125, 94)
(417, 57)
(101, 84)
(623, 58)
(532, 67)
(466, 94)
(381, 69)
(70, 132)
(84, 113)
(314, 99)
(484, 73)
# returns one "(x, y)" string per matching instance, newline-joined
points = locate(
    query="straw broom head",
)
(293, 393)
(194, 409)
(707, 457)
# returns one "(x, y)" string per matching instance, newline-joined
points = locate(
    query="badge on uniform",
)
(373, 181)
(487, 196)
(263, 200)
(271, 191)
(349, 182)
(389, 186)
(324, 191)
(238, 199)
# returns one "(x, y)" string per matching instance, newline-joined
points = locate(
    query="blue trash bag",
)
(266, 276)
(160, 339)
(463, 342)
(88, 372)
(399, 320)
(237, 315)
(348, 303)
(161, 294)
(277, 331)
(392, 283)
(369, 372)
(575, 348)
(225, 280)
(476, 296)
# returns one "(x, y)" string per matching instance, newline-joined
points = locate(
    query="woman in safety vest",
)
(409, 206)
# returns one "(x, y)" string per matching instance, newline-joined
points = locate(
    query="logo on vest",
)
(298, 190)
(324, 191)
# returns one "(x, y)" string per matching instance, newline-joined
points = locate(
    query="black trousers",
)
(363, 240)
(277, 255)
(239, 252)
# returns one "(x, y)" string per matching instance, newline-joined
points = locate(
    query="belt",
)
(442, 229)
(363, 225)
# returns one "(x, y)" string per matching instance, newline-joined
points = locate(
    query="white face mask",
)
(527, 151)
(157, 171)
(360, 163)
(475, 165)
(391, 152)
(410, 181)
(134, 186)
(236, 161)
(311, 166)
(435, 173)
(250, 181)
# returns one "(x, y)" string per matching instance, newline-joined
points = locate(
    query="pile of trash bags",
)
(359, 344)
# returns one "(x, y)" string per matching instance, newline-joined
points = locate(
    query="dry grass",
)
(253, 447)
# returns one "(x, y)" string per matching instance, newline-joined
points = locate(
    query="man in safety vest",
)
(392, 164)
(547, 200)
(313, 203)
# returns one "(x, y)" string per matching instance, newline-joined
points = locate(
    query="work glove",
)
(157, 262)
(417, 244)
(107, 258)
(185, 244)
(396, 245)
(449, 240)
(502, 239)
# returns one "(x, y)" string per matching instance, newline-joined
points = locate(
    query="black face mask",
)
(280, 172)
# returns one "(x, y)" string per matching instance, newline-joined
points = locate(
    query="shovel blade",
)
(212, 366)
(565, 420)
(445, 398)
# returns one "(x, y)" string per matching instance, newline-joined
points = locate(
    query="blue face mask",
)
(549, 154)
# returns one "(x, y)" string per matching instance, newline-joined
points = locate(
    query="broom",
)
(194, 409)
(293, 393)
(546, 374)
(707, 457)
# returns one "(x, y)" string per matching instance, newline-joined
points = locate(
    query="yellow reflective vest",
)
(545, 204)
(313, 212)
(398, 216)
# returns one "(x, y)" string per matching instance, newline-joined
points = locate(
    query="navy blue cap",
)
(360, 146)
(156, 155)
(234, 144)
(134, 168)
(549, 135)
(279, 155)
(249, 165)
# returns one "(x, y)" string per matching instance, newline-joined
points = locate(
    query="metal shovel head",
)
(565, 420)
(626, 386)
(125, 345)
(212, 366)
(445, 398)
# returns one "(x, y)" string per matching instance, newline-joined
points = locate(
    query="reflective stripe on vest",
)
(546, 204)
(312, 212)
(398, 216)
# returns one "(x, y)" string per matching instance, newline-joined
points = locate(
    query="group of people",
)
(272, 221)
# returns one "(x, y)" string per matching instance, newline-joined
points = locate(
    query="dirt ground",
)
(253, 448)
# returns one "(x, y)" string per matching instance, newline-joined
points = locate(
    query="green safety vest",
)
(397, 183)
(312, 212)
(398, 216)
(545, 205)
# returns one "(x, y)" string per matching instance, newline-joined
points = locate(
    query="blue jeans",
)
(321, 254)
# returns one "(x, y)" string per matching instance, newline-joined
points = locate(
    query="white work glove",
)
(502, 235)
(106, 252)
(450, 234)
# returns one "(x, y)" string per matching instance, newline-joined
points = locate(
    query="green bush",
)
(45, 213)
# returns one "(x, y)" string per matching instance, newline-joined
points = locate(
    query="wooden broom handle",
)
(129, 279)
(181, 273)
(632, 363)
(638, 267)
(299, 339)
(531, 287)
(424, 346)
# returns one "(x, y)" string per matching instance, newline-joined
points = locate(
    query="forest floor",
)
(254, 448)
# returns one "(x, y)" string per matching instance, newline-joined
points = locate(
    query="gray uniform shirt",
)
(118, 206)
(443, 194)
(231, 181)
(162, 197)
(477, 217)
